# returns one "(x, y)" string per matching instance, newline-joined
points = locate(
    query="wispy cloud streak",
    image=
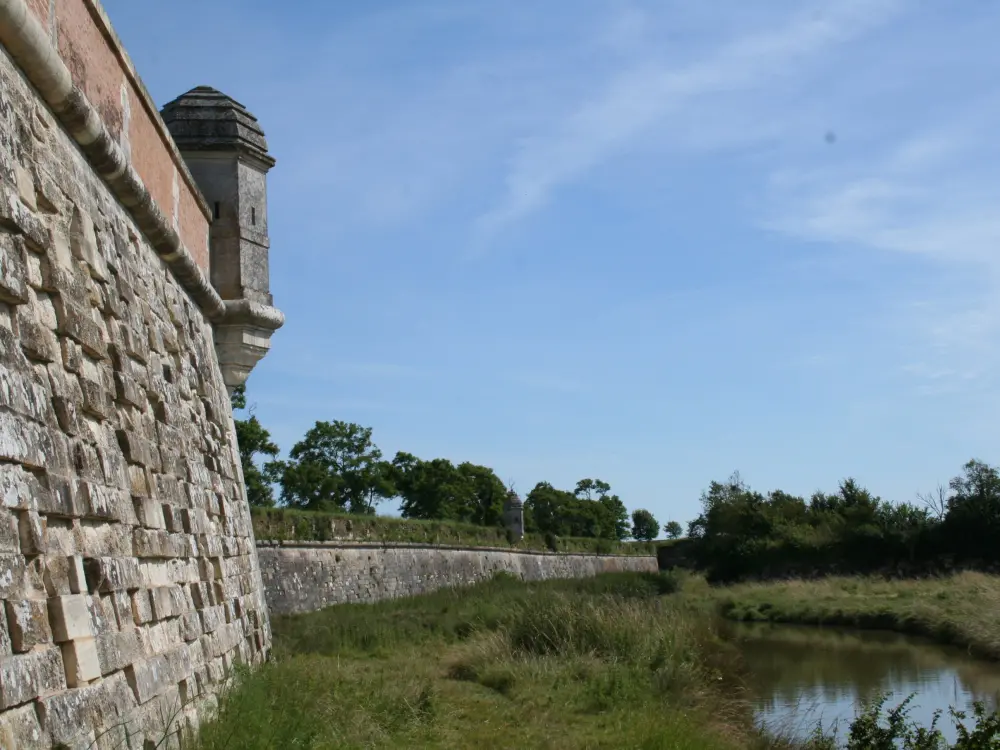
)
(636, 99)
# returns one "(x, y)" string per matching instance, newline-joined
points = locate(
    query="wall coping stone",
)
(28, 43)
(345, 544)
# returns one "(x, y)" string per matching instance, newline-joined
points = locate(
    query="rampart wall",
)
(303, 577)
(128, 572)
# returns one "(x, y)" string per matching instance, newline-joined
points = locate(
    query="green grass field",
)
(962, 609)
(601, 663)
(619, 661)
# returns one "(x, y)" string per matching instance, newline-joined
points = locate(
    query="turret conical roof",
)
(205, 119)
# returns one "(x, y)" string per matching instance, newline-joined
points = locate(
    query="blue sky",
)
(650, 242)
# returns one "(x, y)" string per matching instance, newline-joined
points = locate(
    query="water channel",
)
(804, 676)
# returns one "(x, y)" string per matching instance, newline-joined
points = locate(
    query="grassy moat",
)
(621, 661)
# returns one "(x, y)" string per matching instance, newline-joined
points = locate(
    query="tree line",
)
(337, 467)
(742, 533)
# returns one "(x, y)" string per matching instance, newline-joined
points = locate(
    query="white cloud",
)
(933, 196)
(636, 99)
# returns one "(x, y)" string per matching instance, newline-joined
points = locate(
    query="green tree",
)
(552, 511)
(547, 509)
(488, 494)
(437, 489)
(588, 488)
(253, 441)
(672, 529)
(614, 522)
(336, 466)
(645, 527)
(618, 514)
(972, 522)
(375, 482)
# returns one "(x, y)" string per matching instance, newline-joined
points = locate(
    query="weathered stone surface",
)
(60, 498)
(12, 569)
(13, 272)
(75, 322)
(154, 676)
(9, 531)
(24, 442)
(150, 513)
(137, 449)
(19, 488)
(113, 574)
(104, 502)
(21, 730)
(38, 343)
(78, 712)
(113, 407)
(18, 218)
(83, 242)
(31, 532)
(96, 399)
(117, 650)
(26, 676)
(28, 621)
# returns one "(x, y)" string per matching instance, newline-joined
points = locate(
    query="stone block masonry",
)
(129, 579)
(302, 577)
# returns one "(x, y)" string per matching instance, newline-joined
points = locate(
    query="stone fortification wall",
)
(128, 573)
(303, 577)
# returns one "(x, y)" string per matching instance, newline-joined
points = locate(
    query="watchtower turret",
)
(226, 152)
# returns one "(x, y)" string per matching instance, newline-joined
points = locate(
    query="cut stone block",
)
(77, 576)
(82, 663)
(150, 513)
(70, 617)
(142, 610)
(73, 713)
(113, 574)
(21, 730)
(12, 569)
(117, 650)
(31, 530)
(28, 620)
(26, 676)
(20, 489)
(9, 533)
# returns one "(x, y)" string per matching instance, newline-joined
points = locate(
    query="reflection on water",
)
(801, 676)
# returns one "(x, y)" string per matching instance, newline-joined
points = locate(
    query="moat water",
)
(801, 677)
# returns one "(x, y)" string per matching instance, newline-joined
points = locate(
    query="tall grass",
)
(619, 661)
(600, 663)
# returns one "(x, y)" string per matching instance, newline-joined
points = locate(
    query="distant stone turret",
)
(226, 152)
(513, 515)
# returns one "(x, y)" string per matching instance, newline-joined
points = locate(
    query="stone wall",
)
(303, 577)
(128, 573)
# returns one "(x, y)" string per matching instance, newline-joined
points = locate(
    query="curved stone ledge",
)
(29, 45)
(243, 338)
